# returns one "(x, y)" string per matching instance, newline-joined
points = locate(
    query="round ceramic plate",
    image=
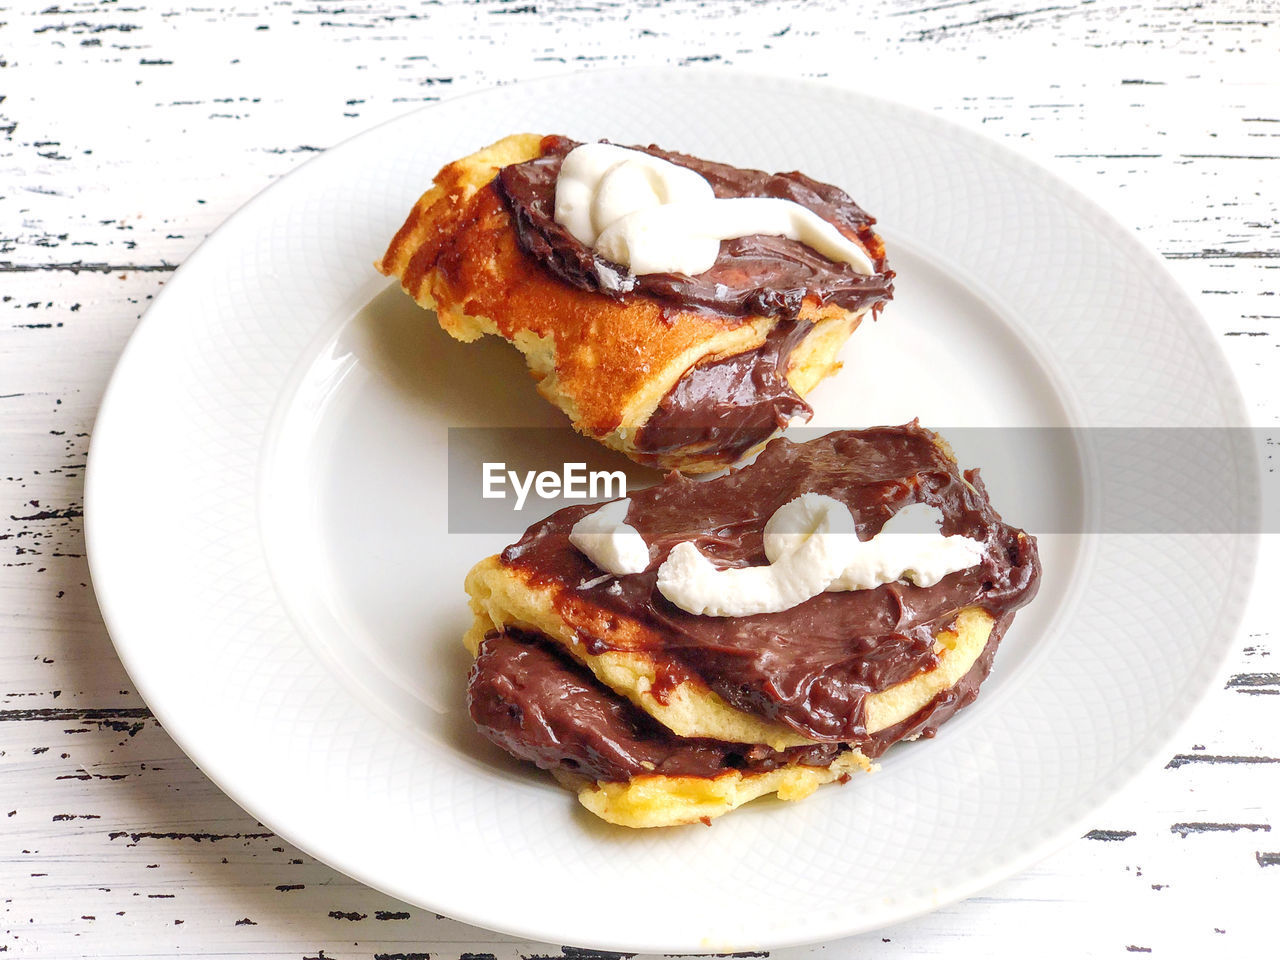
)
(269, 536)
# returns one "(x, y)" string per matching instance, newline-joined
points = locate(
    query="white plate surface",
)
(267, 528)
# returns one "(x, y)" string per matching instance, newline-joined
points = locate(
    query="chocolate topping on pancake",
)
(537, 703)
(755, 275)
(811, 666)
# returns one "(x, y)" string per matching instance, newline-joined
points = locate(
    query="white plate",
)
(266, 521)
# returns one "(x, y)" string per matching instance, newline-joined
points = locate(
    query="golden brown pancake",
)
(658, 801)
(607, 363)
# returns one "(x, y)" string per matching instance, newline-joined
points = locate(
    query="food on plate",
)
(676, 309)
(673, 655)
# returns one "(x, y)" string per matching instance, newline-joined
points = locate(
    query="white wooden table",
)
(131, 130)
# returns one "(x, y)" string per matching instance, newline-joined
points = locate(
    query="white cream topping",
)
(609, 541)
(600, 183)
(812, 546)
(817, 553)
(900, 551)
(654, 216)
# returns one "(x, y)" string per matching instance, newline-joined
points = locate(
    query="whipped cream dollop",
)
(813, 547)
(609, 542)
(654, 216)
(814, 554)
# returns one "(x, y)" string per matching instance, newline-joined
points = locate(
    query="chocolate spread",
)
(539, 704)
(755, 275)
(809, 667)
(732, 403)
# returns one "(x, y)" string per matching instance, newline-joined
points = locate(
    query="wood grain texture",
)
(131, 131)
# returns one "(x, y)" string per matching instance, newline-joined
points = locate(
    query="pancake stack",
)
(655, 716)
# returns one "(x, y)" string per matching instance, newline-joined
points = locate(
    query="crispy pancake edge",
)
(660, 801)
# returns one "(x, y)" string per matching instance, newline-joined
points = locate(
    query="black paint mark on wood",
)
(351, 915)
(402, 956)
(81, 266)
(57, 817)
(67, 513)
(119, 720)
(286, 887)
(1247, 682)
(390, 915)
(1267, 859)
(1182, 759)
(86, 775)
(1229, 156)
(1218, 253)
(947, 28)
(246, 922)
(1110, 834)
(1184, 829)
(197, 837)
(582, 953)
(1136, 949)
(940, 6)
(123, 719)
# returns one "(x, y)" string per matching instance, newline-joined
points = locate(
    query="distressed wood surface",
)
(131, 130)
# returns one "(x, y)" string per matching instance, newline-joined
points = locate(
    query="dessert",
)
(672, 656)
(698, 347)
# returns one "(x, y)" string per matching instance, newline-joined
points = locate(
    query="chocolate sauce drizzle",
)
(753, 276)
(812, 666)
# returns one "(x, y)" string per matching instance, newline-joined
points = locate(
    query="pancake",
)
(852, 671)
(666, 373)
